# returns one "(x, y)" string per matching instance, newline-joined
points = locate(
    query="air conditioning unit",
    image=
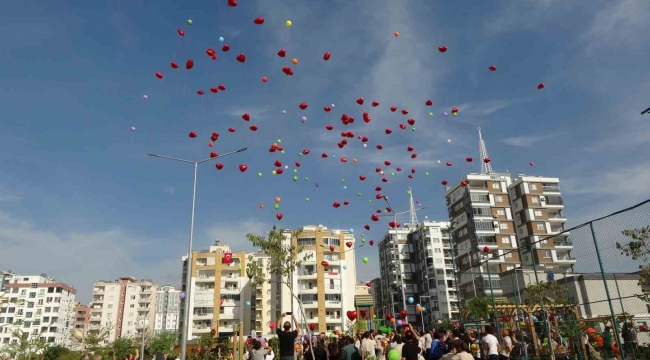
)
(542, 198)
(495, 223)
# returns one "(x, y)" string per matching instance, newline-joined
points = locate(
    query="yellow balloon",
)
(289, 23)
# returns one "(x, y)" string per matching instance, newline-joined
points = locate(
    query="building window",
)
(132, 306)
(503, 226)
(23, 292)
(32, 295)
(508, 254)
(534, 200)
(505, 240)
(540, 226)
(109, 306)
(533, 186)
(496, 185)
(547, 254)
(437, 251)
(538, 213)
(499, 198)
(109, 315)
(500, 212)
(132, 297)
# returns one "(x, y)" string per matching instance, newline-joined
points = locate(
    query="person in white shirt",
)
(428, 340)
(367, 346)
(491, 343)
(506, 344)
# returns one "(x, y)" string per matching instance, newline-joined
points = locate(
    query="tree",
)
(478, 308)
(24, 348)
(122, 347)
(285, 260)
(92, 340)
(639, 250)
(547, 294)
(162, 342)
(55, 352)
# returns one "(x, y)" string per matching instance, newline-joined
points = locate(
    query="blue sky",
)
(80, 200)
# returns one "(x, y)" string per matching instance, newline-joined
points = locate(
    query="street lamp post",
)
(188, 275)
(341, 283)
(494, 304)
(422, 311)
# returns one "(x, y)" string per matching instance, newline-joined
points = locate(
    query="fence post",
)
(609, 299)
(541, 303)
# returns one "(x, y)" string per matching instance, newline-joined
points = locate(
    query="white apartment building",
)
(395, 264)
(434, 271)
(326, 283)
(125, 305)
(221, 298)
(37, 305)
(168, 310)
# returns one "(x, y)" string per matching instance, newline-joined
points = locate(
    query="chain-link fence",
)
(574, 294)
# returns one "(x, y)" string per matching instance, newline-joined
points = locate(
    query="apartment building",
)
(326, 283)
(79, 325)
(221, 297)
(397, 271)
(434, 271)
(37, 305)
(539, 219)
(126, 306)
(168, 309)
(377, 298)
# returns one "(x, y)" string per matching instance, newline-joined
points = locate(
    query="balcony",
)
(204, 278)
(225, 316)
(333, 319)
(98, 300)
(230, 290)
(335, 304)
(202, 315)
(550, 188)
(554, 201)
(143, 309)
(201, 329)
(99, 290)
(310, 304)
(225, 328)
(144, 300)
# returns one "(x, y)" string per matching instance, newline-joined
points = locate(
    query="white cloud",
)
(526, 141)
(169, 189)
(80, 259)
(512, 16)
(617, 24)
(234, 234)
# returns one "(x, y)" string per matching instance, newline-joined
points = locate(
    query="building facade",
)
(125, 308)
(326, 283)
(80, 326)
(539, 217)
(221, 298)
(168, 308)
(37, 305)
(377, 298)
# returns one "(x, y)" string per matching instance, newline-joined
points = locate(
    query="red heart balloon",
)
(221, 87)
(200, 92)
(379, 196)
(213, 155)
(246, 116)
(232, 129)
(374, 217)
(327, 56)
(336, 204)
(411, 121)
(297, 164)
(464, 183)
(388, 131)
(210, 52)
(287, 70)
(492, 68)
(327, 109)
(360, 101)
(371, 242)
(232, 3)
(279, 216)
(412, 170)
(410, 148)
(379, 147)
(282, 53)
(454, 110)
(264, 79)
(393, 108)
(414, 155)
(214, 57)
(541, 86)
(174, 65)
(210, 144)
(384, 180)
(181, 32)
(323, 155)
(362, 177)
(303, 106)
(469, 159)
(329, 127)
(429, 103)
(449, 164)
(404, 111)
(402, 126)
(259, 21)
(364, 139)
(367, 227)
(375, 103)
(399, 169)
(444, 182)
(378, 188)
(387, 162)
(410, 176)
(253, 127)
(241, 58)
(348, 244)
(345, 202)
(189, 64)
(225, 48)
(243, 167)
(305, 152)
(192, 134)
(279, 171)
(277, 163)
(159, 75)
(487, 160)
(442, 48)
(352, 315)
(324, 263)
(219, 166)
(214, 90)
(331, 247)
(531, 163)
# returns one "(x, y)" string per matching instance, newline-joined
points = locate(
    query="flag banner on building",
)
(227, 258)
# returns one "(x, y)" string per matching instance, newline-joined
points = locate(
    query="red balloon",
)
(387, 162)
(259, 21)
(371, 242)
(225, 48)
(331, 247)
(351, 315)
(329, 127)
(282, 53)
(399, 169)
(287, 70)
(442, 48)
(246, 116)
(213, 155)
(279, 216)
(540, 86)
(327, 56)
(303, 106)
(272, 325)
(403, 313)
(323, 155)
(362, 177)
(454, 110)
(388, 131)
(404, 111)
(174, 65)
(214, 57)
(221, 87)
(297, 164)
(305, 152)
(374, 217)
(219, 166)
(449, 164)
(360, 101)
(429, 103)
(414, 155)
(159, 75)
(487, 160)
(200, 92)
(214, 90)
(348, 244)
(241, 58)
(192, 134)
(210, 52)
(410, 148)
(189, 64)
(264, 79)
(181, 32)
(393, 108)
(253, 127)
(469, 159)
(312, 326)
(402, 126)
(411, 121)
(232, 3)
(492, 68)
(345, 202)
(444, 182)
(232, 129)
(375, 103)
(278, 163)
(379, 147)
(210, 144)
(324, 263)
(327, 109)
(243, 167)
(531, 163)
(336, 204)
(367, 227)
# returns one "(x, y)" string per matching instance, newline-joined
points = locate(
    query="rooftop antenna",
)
(486, 168)
(414, 216)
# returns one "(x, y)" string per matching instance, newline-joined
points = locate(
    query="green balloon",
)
(343, 180)
(425, 228)
(273, 172)
(306, 199)
(295, 171)
(363, 240)
(369, 201)
(279, 141)
(259, 174)
(365, 260)
(282, 152)
(426, 173)
(189, 21)
(295, 178)
(306, 178)
(392, 174)
(363, 235)
(299, 154)
(408, 192)
(359, 194)
(430, 114)
(276, 206)
(394, 355)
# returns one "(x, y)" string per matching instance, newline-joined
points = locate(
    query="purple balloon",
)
(316, 184)
(426, 277)
(182, 295)
(399, 323)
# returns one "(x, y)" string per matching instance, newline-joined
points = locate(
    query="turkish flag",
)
(227, 258)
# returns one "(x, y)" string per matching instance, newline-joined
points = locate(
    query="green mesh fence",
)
(579, 293)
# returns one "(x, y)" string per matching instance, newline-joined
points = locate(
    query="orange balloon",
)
(392, 320)
(297, 347)
(396, 33)
(294, 61)
(261, 206)
(277, 200)
(355, 161)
